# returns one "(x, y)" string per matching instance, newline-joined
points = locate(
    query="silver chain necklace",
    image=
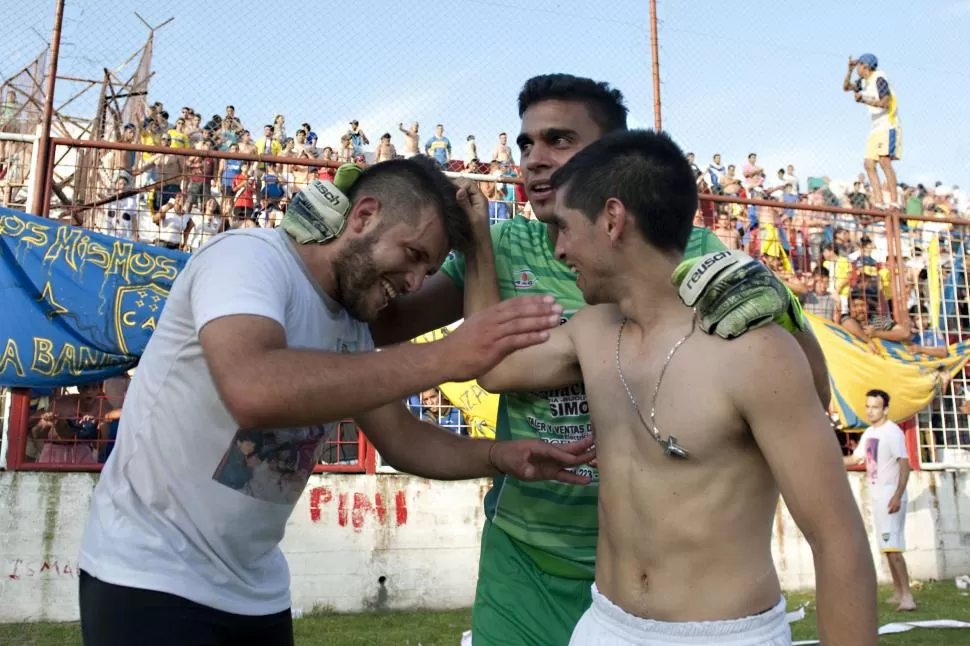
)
(670, 446)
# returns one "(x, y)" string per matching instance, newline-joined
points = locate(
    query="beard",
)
(357, 275)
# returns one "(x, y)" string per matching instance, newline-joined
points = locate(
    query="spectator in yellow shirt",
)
(267, 145)
(180, 139)
(840, 270)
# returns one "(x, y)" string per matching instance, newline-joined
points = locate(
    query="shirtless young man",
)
(685, 518)
(411, 140)
(385, 149)
(538, 553)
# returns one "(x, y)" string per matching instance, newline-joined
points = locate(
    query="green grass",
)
(942, 600)
(936, 601)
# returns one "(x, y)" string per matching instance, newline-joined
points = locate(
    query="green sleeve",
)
(701, 242)
(454, 265)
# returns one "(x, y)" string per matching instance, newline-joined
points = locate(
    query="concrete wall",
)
(359, 542)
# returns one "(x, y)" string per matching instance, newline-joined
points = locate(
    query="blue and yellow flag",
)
(912, 381)
(77, 306)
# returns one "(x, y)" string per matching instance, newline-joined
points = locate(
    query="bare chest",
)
(651, 402)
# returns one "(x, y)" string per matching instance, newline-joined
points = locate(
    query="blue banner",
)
(75, 306)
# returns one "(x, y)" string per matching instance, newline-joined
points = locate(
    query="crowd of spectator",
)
(839, 267)
(195, 197)
(836, 264)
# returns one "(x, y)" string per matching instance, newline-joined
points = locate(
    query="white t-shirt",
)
(882, 118)
(206, 229)
(189, 503)
(172, 226)
(882, 447)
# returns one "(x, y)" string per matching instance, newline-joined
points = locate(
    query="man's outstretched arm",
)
(847, 84)
(801, 450)
(547, 365)
(430, 451)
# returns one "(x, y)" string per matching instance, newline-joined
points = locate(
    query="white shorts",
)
(605, 624)
(890, 528)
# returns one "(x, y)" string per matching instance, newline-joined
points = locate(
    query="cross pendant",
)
(672, 449)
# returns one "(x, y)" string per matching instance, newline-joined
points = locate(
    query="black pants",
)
(114, 615)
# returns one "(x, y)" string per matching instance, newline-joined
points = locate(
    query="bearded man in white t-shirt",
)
(882, 448)
(263, 346)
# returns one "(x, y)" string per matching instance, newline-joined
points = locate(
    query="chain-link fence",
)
(937, 289)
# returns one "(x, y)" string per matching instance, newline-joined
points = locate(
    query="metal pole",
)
(35, 169)
(41, 200)
(655, 52)
(896, 265)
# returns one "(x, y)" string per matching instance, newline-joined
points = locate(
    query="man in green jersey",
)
(539, 541)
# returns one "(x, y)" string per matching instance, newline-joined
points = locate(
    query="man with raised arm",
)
(885, 142)
(261, 348)
(696, 435)
(538, 548)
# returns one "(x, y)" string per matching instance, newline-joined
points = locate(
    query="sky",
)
(757, 76)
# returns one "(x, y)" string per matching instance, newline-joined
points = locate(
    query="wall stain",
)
(52, 504)
(937, 520)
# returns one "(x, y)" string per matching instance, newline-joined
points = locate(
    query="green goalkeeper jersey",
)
(555, 523)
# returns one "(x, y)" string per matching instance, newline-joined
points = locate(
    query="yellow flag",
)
(478, 406)
(911, 381)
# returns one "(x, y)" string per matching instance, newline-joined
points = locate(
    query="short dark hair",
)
(411, 184)
(604, 104)
(643, 169)
(881, 394)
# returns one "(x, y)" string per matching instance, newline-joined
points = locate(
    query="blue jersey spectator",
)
(439, 147)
